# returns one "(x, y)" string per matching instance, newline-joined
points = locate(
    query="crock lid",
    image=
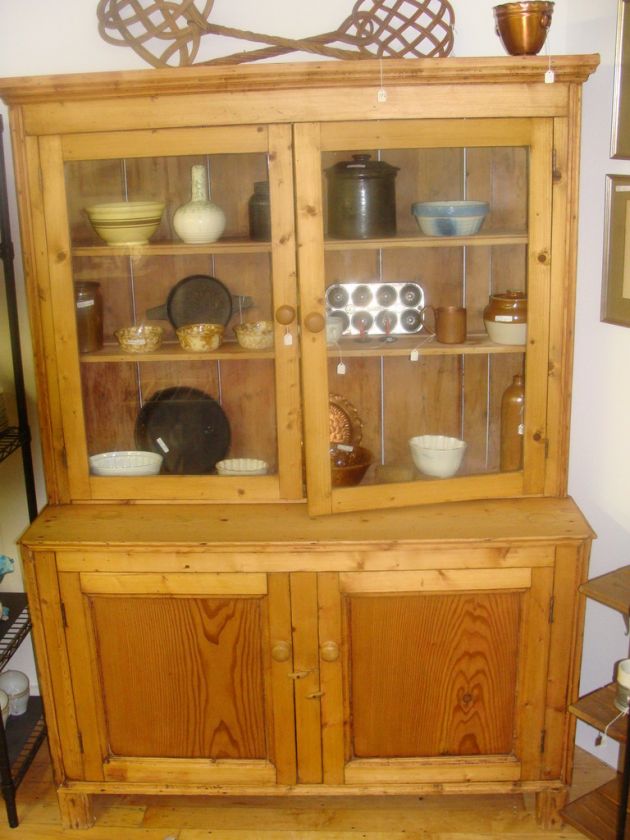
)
(361, 166)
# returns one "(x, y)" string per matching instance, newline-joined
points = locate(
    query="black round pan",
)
(186, 426)
(198, 299)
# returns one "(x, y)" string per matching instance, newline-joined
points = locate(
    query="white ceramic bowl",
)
(126, 463)
(437, 455)
(242, 466)
(503, 333)
(16, 685)
(126, 222)
(450, 218)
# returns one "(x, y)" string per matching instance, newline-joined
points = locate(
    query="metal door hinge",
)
(551, 608)
(80, 737)
(63, 614)
(543, 735)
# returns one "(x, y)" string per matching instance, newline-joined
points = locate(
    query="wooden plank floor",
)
(361, 818)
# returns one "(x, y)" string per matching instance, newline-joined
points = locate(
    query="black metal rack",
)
(602, 814)
(23, 735)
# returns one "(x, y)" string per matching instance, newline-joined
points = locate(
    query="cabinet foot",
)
(549, 803)
(75, 809)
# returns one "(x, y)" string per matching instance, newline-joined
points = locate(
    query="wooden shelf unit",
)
(599, 814)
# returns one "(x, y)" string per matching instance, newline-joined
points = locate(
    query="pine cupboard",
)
(281, 633)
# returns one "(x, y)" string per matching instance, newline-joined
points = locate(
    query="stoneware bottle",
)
(200, 220)
(512, 425)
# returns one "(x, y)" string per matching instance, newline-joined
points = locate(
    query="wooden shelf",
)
(595, 814)
(612, 589)
(475, 344)
(422, 241)
(157, 249)
(172, 352)
(598, 709)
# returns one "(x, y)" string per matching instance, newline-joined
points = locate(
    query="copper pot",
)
(522, 27)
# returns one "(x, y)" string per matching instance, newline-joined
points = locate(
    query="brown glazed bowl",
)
(522, 27)
(348, 464)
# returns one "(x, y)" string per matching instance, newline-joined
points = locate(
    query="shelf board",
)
(172, 352)
(611, 589)
(598, 709)
(422, 241)
(595, 814)
(475, 344)
(159, 249)
(247, 246)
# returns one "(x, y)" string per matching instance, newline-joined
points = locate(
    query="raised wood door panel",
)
(441, 675)
(176, 671)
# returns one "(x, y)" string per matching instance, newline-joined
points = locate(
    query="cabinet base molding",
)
(75, 798)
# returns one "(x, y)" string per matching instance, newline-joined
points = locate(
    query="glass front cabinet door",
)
(313, 294)
(175, 326)
(428, 261)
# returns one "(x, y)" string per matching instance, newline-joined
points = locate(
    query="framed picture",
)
(620, 137)
(616, 281)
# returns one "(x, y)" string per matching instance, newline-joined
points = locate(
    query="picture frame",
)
(620, 133)
(615, 305)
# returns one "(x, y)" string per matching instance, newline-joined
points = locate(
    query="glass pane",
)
(392, 284)
(199, 395)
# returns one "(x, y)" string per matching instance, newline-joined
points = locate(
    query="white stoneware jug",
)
(200, 220)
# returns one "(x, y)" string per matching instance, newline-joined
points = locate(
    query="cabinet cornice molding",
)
(200, 79)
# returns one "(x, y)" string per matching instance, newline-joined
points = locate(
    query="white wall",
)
(35, 42)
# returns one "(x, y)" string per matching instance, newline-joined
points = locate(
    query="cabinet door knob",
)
(285, 314)
(329, 651)
(281, 652)
(314, 322)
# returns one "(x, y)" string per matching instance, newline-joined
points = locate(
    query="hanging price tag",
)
(341, 368)
(288, 339)
(381, 96)
(550, 77)
(414, 356)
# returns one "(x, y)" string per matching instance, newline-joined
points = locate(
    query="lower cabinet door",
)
(434, 676)
(182, 678)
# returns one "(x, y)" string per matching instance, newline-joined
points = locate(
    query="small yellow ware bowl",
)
(200, 338)
(126, 222)
(139, 339)
(255, 335)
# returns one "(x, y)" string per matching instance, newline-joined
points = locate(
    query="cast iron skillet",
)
(198, 299)
(186, 426)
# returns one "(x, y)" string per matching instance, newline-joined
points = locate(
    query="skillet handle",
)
(158, 313)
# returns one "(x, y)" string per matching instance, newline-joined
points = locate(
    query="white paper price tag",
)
(288, 339)
(341, 369)
(414, 356)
